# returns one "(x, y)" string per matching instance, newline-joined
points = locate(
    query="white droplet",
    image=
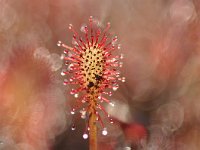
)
(69, 67)
(112, 104)
(113, 60)
(115, 87)
(117, 74)
(121, 56)
(97, 119)
(59, 43)
(70, 26)
(104, 132)
(73, 127)
(72, 92)
(74, 42)
(111, 121)
(83, 28)
(83, 114)
(67, 63)
(73, 111)
(109, 93)
(63, 72)
(114, 42)
(123, 79)
(76, 95)
(127, 148)
(119, 46)
(99, 97)
(62, 56)
(85, 135)
(69, 54)
(120, 64)
(65, 82)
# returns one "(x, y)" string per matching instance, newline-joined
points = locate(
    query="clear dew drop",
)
(85, 136)
(104, 131)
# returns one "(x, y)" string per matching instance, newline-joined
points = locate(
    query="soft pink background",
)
(160, 40)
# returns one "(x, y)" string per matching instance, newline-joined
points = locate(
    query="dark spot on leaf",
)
(98, 77)
(91, 84)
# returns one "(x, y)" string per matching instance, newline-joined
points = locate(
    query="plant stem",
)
(93, 127)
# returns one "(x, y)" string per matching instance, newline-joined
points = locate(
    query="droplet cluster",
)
(93, 69)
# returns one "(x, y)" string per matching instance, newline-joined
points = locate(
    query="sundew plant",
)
(92, 69)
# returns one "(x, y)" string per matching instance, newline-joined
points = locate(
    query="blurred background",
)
(157, 108)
